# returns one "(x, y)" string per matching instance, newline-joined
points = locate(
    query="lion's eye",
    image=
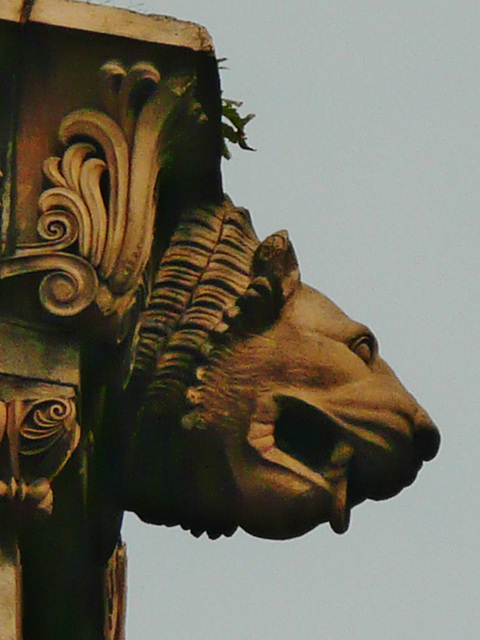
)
(365, 348)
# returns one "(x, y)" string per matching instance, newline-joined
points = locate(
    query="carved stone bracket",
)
(38, 437)
(102, 203)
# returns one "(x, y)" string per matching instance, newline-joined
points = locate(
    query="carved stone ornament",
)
(38, 437)
(102, 202)
(254, 401)
(216, 389)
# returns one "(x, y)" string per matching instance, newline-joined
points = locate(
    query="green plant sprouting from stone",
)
(233, 126)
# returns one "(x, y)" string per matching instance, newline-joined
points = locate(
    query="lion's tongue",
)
(338, 477)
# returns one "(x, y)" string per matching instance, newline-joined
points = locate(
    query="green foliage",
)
(233, 126)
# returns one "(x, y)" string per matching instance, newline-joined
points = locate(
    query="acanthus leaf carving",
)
(102, 203)
(83, 183)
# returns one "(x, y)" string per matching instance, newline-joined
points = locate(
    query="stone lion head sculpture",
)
(253, 400)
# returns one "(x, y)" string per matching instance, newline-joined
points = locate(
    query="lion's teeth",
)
(338, 476)
(259, 430)
(264, 444)
(341, 454)
(340, 514)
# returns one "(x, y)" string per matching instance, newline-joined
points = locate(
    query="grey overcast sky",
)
(367, 132)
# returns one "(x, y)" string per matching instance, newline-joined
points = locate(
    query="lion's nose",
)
(426, 437)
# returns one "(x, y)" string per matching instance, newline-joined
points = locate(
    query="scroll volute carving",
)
(37, 438)
(102, 205)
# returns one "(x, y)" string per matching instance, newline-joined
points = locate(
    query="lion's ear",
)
(275, 258)
(274, 278)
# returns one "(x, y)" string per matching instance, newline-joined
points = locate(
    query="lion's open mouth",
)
(305, 433)
(308, 442)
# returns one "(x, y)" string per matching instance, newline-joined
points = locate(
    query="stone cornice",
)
(109, 20)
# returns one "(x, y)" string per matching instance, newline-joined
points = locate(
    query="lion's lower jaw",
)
(328, 488)
(281, 520)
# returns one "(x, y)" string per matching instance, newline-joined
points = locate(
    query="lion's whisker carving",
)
(256, 402)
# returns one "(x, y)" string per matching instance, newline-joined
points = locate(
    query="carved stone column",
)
(109, 128)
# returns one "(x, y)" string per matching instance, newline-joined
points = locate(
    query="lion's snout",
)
(426, 437)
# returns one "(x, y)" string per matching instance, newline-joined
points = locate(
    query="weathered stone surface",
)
(254, 401)
(10, 586)
(155, 355)
(38, 355)
(109, 20)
